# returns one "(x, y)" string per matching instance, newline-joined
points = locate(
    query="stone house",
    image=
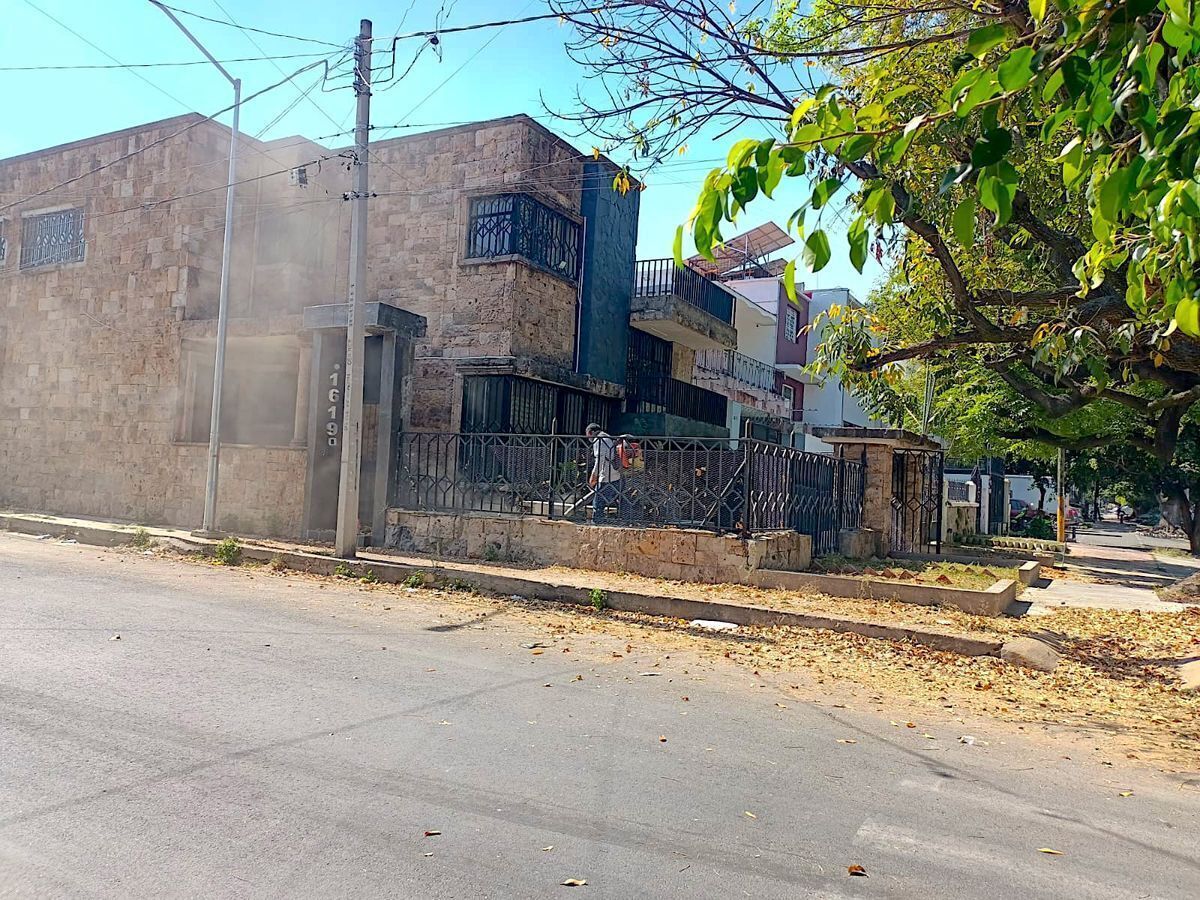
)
(499, 271)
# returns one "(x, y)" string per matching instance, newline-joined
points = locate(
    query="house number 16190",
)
(332, 425)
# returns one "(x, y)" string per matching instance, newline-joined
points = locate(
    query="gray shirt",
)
(605, 466)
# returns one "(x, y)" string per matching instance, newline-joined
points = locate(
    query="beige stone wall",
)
(958, 519)
(676, 554)
(93, 380)
(90, 352)
(417, 249)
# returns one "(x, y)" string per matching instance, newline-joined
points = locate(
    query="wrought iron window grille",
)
(519, 225)
(52, 238)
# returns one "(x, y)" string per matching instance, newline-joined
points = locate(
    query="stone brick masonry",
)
(94, 376)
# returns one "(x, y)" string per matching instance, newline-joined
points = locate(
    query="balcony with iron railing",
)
(651, 394)
(682, 306)
(741, 368)
(742, 378)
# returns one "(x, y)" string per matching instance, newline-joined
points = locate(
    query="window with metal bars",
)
(648, 355)
(791, 324)
(507, 404)
(52, 238)
(519, 225)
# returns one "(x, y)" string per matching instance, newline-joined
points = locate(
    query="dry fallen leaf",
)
(750, 814)
(536, 652)
(1126, 793)
(1049, 851)
(857, 870)
(574, 882)
(662, 738)
(847, 741)
(547, 849)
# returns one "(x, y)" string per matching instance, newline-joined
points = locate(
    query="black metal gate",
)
(917, 501)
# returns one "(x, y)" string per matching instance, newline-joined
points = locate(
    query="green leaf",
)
(1077, 73)
(956, 175)
(857, 147)
(980, 92)
(705, 229)
(997, 196)
(896, 93)
(1037, 9)
(886, 210)
(1016, 71)
(894, 152)
(741, 152)
(1113, 194)
(789, 280)
(1187, 315)
(991, 147)
(677, 247)
(1053, 84)
(762, 153)
(823, 191)
(984, 39)
(858, 237)
(745, 185)
(816, 251)
(770, 177)
(963, 221)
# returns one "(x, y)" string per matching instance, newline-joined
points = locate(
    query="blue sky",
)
(503, 72)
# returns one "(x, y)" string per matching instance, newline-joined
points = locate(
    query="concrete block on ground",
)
(1030, 653)
(1189, 673)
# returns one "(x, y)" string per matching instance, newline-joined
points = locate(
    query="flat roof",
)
(195, 119)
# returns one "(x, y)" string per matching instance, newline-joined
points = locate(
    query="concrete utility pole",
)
(1062, 499)
(214, 427)
(347, 518)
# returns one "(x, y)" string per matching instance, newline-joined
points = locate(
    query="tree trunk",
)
(1174, 505)
(1192, 529)
(1177, 509)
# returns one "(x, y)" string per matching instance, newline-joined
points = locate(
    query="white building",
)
(748, 376)
(788, 348)
(827, 401)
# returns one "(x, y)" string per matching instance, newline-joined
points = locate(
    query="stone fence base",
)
(674, 553)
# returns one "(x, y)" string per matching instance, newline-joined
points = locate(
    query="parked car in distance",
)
(1018, 508)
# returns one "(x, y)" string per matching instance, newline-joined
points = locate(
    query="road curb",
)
(509, 586)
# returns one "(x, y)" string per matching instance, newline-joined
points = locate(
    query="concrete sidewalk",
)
(1111, 567)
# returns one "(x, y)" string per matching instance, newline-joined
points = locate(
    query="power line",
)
(156, 65)
(61, 24)
(226, 22)
(314, 103)
(503, 23)
(243, 139)
(470, 58)
(162, 140)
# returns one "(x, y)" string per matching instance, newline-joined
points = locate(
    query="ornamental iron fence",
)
(722, 485)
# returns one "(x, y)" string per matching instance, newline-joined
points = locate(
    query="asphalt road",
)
(251, 737)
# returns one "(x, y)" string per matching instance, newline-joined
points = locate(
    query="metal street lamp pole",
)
(214, 428)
